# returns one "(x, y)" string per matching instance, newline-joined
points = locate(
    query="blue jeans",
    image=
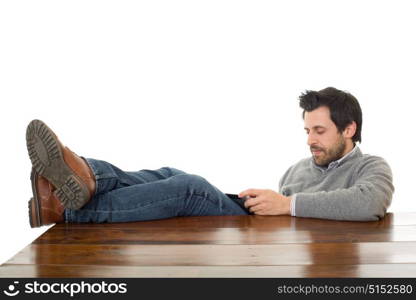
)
(122, 196)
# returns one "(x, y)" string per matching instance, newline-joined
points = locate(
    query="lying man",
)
(338, 182)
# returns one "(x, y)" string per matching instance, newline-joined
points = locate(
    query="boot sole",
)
(35, 218)
(47, 159)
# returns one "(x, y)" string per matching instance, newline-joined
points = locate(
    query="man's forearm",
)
(355, 204)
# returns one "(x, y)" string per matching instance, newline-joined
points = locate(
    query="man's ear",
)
(350, 130)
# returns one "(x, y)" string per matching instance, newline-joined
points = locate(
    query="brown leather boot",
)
(44, 208)
(71, 176)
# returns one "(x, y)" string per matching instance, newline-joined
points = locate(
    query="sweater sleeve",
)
(366, 200)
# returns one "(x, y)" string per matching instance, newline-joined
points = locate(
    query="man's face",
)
(324, 140)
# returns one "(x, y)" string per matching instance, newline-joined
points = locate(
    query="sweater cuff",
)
(293, 206)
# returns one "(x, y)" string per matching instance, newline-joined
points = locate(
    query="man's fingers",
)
(252, 202)
(256, 208)
(249, 192)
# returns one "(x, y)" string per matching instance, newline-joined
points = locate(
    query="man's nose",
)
(311, 139)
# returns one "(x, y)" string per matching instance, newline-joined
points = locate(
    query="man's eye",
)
(321, 132)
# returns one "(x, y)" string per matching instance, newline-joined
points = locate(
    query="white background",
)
(209, 87)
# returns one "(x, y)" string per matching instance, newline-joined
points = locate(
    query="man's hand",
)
(266, 202)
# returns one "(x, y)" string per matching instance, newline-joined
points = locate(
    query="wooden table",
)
(225, 246)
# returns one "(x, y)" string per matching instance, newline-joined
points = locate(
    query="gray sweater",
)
(358, 187)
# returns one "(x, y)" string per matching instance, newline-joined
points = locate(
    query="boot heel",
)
(34, 216)
(73, 194)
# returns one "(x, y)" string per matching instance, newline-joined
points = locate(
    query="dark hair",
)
(344, 108)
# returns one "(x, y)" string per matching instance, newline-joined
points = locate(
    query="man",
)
(338, 182)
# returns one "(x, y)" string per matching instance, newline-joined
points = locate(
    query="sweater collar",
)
(354, 153)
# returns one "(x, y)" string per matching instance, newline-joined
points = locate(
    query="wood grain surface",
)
(223, 246)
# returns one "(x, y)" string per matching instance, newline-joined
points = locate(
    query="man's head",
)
(333, 121)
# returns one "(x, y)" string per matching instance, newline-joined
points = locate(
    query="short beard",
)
(333, 153)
